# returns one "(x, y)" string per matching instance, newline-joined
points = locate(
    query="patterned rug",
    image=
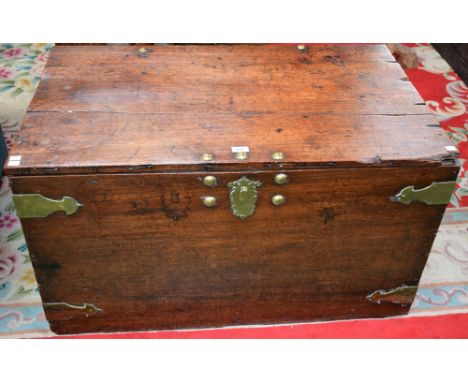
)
(21, 313)
(444, 285)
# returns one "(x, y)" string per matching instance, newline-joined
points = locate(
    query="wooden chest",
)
(188, 186)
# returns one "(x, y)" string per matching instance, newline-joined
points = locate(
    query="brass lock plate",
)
(243, 196)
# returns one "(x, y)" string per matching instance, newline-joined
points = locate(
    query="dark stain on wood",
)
(305, 60)
(174, 207)
(336, 60)
(328, 214)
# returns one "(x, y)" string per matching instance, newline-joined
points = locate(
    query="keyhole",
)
(243, 192)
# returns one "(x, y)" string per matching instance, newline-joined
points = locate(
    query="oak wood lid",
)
(125, 109)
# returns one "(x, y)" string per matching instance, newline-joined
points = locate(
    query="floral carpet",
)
(21, 313)
(443, 287)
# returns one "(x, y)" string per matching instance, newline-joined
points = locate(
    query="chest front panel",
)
(149, 252)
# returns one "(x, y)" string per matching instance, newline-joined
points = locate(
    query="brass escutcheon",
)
(243, 196)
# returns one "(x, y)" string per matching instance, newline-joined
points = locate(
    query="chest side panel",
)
(147, 254)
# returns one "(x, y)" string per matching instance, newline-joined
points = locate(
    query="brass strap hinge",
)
(401, 295)
(434, 194)
(38, 206)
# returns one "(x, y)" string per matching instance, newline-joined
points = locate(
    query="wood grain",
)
(148, 253)
(117, 110)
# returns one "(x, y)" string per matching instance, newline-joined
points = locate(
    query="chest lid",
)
(192, 107)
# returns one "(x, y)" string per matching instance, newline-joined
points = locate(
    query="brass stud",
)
(278, 155)
(209, 201)
(209, 181)
(281, 178)
(278, 200)
(207, 156)
(301, 47)
(242, 155)
(142, 50)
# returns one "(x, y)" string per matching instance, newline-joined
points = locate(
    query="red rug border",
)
(449, 326)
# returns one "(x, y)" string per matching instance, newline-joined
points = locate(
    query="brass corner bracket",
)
(38, 206)
(402, 295)
(437, 193)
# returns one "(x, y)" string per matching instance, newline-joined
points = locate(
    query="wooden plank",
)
(225, 78)
(120, 143)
